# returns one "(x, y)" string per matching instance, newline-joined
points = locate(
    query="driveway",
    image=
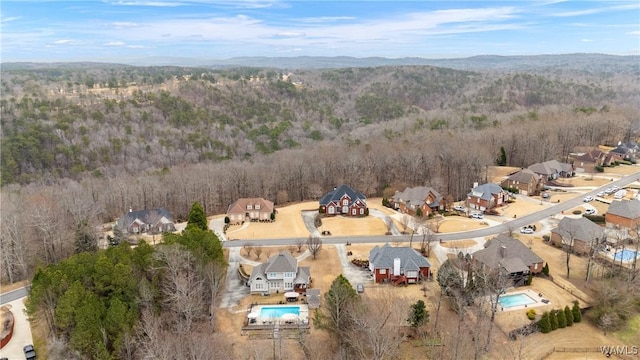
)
(21, 328)
(354, 274)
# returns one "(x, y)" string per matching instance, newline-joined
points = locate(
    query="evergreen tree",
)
(568, 314)
(553, 319)
(562, 320)
(545, 269)
(419, 315)
(85, 239)
(577, 315)
(197, 218)
(544, 324)
(335, 315)
(502, 157)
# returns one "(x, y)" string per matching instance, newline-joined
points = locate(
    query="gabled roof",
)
(417, 196)
(280, 263)
(150, 217)
(258, 271)
(410, 259)
(240, 205)
(338, 192)
(579, 229)
(524, 176)
(629, 209)
(494, 256)
(551, 167)
(591, 156)
(485, 191)
(621, 150)
(303, 275)
(313, 298)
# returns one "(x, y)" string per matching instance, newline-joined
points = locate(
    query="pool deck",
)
(258, 322)
(532, 294)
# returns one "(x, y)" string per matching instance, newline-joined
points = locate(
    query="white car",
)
(590, 211)
(458, 208)
(526, 230)
(600, 194)
(477, 215)
(588, 199)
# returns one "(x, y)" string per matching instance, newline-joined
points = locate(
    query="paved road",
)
(512, 224)
(14, 295)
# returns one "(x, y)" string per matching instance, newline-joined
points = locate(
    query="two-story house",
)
(343, 200)
(280, 273)
(424, 198)
(250, 209)
(486, 196)
(526, 181)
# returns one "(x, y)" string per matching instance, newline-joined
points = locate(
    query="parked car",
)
(360, 288)
(458, 208)
(526, 230)
(29, 352)
(588, 199)
(545, 195)
(590, 211)
(600, 194)
(477, 215)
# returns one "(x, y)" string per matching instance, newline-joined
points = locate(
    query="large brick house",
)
(526, 181)
(280, 273)
(623, 216)
(510, 256)
(250, 209)
(422, 197)
(580, 233)
(343, 200)
(486, 196)
(397, 265)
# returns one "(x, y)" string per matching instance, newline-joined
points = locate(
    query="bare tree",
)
(248, 248)
(314, 244)
(596, 246)
(258, 252)
(299, 244)
(214, 273)
(14, 250)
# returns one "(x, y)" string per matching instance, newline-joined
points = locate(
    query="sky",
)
(112, 30)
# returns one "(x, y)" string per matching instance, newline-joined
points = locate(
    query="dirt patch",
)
(459, 223)
(498, 173)
(345, 226)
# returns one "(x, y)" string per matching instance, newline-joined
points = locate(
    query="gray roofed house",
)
(343, 200)
(486, 196)
(623, 215)
(583, 232)
(511, 256)
(154, 221)
(526, 181)
(388, 263)
(280, 273)
(424, 198)
(552, 169)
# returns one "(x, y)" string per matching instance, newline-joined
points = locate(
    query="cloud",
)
(125, 25)
(325, 19)
(63, 41)
(289, 34)
(149, 3)
(136, 46)
(633, 33)
(586, 40)
(114, 43)
(597, 10)
(5, 20)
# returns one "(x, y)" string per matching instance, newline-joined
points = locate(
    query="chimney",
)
(396, 266)
(130, 209)
(475, 184)
(503, 251)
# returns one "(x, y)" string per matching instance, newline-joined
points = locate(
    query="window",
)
(288, 285)
(361, 211)
(535, 266)
(257, 207)
(382, 271)
(331, 210)
(345, 202)
(249, 207)
(258, 286)
(353, 211)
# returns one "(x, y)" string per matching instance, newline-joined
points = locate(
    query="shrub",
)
(546, 238)
(544, 324)
(598, 219)
(531, 314)
(227, 220)
(366, 212)
(568, 315)
(562, 320)
(577, 212)
(545, 269)
(530, 279)
(553, 319)
(599, 168)
(577, 316)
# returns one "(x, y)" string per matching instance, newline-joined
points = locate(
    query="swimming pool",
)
(625, 255)
(507, 301)
(277, 311)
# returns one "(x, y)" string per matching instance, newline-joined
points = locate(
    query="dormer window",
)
(249, 207)
(257, 207)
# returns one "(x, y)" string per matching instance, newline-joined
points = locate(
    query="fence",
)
(577, 350)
